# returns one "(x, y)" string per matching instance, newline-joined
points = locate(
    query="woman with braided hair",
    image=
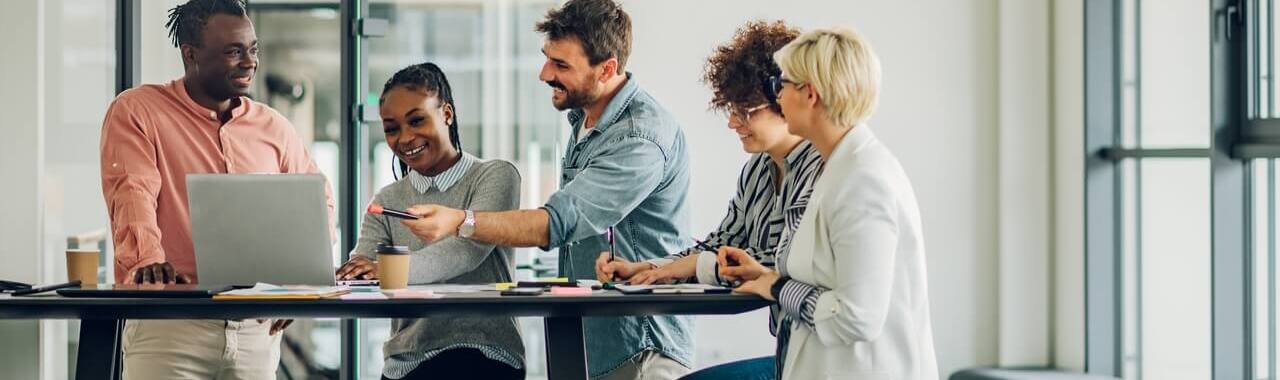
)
(420, 121)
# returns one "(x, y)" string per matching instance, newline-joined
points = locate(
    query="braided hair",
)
(426, 77)
(186, 21)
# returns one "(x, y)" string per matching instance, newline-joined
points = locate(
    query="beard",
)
(573, 99)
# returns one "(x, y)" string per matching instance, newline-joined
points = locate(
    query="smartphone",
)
(11, 286)
(522, 292)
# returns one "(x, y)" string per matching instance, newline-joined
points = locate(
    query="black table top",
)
(607, 303)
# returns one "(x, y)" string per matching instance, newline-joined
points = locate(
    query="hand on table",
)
(358, 267)
(618, 269)
(761, 286)
(661, 275)
(737, 264)
(159, 273)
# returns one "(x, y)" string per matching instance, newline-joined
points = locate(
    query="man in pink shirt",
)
(155, 135)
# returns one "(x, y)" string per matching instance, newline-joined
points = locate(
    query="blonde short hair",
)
(842, 68)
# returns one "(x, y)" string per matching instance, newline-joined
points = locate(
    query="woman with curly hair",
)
(772, 189)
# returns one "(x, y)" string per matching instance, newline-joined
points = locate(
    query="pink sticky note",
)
(418, 294)
(362, 296)
(570, 291)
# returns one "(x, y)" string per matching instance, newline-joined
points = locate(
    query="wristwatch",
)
(776, 289)
(468, 226)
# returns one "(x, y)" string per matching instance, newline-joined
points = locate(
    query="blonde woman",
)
(851, 281)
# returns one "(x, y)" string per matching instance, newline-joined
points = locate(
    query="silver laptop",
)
(250, 228)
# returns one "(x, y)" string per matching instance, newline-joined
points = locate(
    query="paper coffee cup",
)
(393, 267)
(82, 264)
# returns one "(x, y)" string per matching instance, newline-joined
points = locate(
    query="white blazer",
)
(860, 238)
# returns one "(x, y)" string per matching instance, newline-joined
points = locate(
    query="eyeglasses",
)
(743, 115)
(775, 86)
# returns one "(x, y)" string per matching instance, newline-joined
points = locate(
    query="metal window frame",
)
(1271, 273)
(1232, 183)
(128, 42)
(354, 84)
(1103, 285)
(1234, 139)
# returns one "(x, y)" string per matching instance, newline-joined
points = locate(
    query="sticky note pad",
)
(362, 296)
(411, 293)
(570, 291)
(504, 285)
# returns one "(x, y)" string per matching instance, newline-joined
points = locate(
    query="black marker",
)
(379, 210)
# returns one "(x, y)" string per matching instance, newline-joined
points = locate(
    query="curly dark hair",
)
(739, 70)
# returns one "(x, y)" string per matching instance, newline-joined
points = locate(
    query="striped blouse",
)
(758, 214)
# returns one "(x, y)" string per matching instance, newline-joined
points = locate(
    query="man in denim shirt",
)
(627, 170)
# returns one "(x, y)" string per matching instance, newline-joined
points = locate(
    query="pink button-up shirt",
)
(155, 135)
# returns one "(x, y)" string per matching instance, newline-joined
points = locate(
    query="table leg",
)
(98, 356)
(566, 349)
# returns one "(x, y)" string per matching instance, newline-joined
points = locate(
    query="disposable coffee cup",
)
(393, 267)
(82, 264)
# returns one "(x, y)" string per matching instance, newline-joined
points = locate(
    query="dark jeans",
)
(749, 369)
(463, 363)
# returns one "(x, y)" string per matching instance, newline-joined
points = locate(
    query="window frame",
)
(1235, 138)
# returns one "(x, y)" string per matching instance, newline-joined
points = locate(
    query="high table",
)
(103, 318)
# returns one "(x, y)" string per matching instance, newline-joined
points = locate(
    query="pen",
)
(608, 234)
(379, 210)
(42, 289)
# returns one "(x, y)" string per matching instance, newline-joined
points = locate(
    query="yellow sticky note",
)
(505, 285)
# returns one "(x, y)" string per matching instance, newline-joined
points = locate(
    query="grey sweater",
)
(486, 186)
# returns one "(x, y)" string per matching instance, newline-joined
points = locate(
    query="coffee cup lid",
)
(388, 249)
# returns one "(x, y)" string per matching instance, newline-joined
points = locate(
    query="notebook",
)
(275, 292)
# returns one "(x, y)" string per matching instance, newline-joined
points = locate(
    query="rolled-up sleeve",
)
(130, 185)
(612, 184)
(863, 233)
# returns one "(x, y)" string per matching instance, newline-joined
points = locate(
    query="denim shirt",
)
(630, 171)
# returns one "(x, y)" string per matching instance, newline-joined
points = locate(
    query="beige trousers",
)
(648, 365)
(199, 349)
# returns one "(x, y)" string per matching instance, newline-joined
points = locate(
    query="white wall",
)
(20, 216)
(1068, 183)
(1024, 172)
(21, 71)
(938, 113)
